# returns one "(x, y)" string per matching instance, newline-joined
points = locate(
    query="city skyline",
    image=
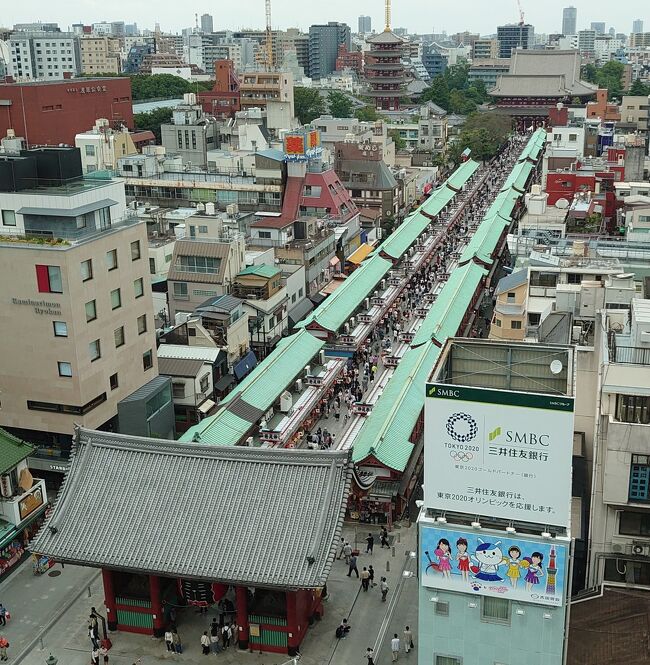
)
(546, 18)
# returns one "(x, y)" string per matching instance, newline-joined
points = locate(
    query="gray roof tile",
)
(238, 515)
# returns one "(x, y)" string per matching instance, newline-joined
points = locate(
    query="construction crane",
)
(268, 47)
(521, 13)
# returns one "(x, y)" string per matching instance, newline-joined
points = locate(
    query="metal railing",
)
(630, 355)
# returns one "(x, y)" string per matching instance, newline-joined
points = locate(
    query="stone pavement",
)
(56, 611)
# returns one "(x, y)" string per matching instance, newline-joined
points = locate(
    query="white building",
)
(45, 55)
(102, 146)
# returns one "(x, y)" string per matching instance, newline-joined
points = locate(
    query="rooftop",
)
(262, 270)
(207, 354)
(180, 491)
(12, 451)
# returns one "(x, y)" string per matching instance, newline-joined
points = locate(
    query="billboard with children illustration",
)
(516, 568)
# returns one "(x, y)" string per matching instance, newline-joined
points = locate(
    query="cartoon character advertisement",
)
(532, 571)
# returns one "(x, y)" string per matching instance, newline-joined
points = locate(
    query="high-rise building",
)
(587, 44)
(40, 55)
(365, 25)
(513, 36)
(637, 26)
(569, 21)
(78, 326)
(100, 55)
(324, 42)
(207, 24)
(599, 27)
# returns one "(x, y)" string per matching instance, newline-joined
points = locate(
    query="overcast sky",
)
(416, 15)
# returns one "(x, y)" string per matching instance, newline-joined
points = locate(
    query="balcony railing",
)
(631, 355)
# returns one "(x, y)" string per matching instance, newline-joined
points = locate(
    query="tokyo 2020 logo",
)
(462, 427)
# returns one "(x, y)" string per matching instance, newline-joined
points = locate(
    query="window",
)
(497, 323)
(86, 270)
(91, 311)
(495, 610)
(152, 266)
(147, 360)
(203, 229)
(118, 336)
(112, 380)
(65, 369)
(138, 287)
(573, 137)
(633, 409)
(8, 218)
(543, 278)
(204, 383)
(90, 150)
(448, 660)
(180, 291)
(111, 259)
(94, 350)
(264, 234)
(116, 299)
(441, 608)
(135, 250)
(515, 325)
(300, 292)
(634, 524)
(198, 264)
(178, 389)
(639, 478)
(60, 328)
(48, 279)
(511, 296)
(142, 324)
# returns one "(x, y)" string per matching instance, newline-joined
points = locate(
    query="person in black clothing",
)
(353, 566)
(370, 540)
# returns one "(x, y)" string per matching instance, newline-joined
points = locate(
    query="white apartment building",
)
(102, 146)
(45, 55)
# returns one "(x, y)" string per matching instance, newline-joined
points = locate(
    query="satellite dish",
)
(562, 204)
(556, 366)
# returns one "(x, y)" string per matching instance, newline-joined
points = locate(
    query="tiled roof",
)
(251, 516)
(511, 281)
(383, 178)
(340, 306)
(208, 354)
(203, 248)
(260, 271)
(462, 174)
(179, 367)
(257, 392)
(12, 451)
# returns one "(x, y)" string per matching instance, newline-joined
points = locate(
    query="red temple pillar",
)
(293, 634)
(241, 598)
(109, 599)
(156, 606)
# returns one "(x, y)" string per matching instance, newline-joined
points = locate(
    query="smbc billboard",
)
(498, 453)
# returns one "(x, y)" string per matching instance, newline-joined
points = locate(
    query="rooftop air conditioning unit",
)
(641, 549)
(307, 370)
(299, 386)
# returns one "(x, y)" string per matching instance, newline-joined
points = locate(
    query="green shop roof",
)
(262, 270)
(12, 451)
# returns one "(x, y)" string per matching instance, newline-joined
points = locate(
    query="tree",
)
(160, 86)
(339, 104)
(400, 143)
(638, 89)
(483, 134)
(366, 114)
(590, 73)
(610, 76)
(308, 104)
(152, 120)
(437, 92)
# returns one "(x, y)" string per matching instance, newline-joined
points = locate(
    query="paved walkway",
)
(55, 610)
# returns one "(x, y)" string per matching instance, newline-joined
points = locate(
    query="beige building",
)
(257, 88)
(509, 318)
(485, 49)
(100, 55)
(77, 316)
(102, 146)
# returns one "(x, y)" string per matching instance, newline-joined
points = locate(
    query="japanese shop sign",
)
(487, 564)
(498, 453)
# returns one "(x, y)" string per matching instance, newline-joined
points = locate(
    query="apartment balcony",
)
(630, 355)
(19, 507)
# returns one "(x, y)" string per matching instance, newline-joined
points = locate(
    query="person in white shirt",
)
(169, 640)
(394, 647)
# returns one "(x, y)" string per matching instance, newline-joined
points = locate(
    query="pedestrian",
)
(93, 638)
(343, 629)
(103, 652)
(205, 643)
(176, 640)
(225, 636)
(384, 537)
(214, 636)
(394, 647)
(365, 579)
(371, 572)
(3, 615)
(370, 656)
(341, 547)
(347, 552)
(169, 640)
(383, 587)
(353, 566)
(234, 633)
(94, 656)
(4, 645)
(370, 543)
(408, 639)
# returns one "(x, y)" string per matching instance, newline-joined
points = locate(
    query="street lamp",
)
(52, 660)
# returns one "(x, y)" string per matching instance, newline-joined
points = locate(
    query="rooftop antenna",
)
(387, 28)
(269, 38)
(196, 22)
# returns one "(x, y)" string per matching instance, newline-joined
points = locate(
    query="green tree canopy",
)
(638, 89)
(610, 76)
(400, 143)
(153, 120)
(484, 134)
(454, 92)
(366, 114)
(145, 86)
(339, 104)
(308, 104)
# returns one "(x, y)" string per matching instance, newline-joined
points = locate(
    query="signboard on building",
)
(30, 502)
(486, 564)
(302, 145)
(498, 453)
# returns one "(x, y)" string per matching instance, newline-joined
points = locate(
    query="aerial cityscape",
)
(326, 334)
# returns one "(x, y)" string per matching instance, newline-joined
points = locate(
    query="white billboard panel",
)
(498, 453)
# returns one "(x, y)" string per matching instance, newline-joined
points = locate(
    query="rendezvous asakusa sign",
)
(498, 453)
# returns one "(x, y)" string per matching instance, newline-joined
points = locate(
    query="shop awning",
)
(300, 311)
(206, 406)
(360, 254)
(224, 382)
(383, 490)
(245, 365)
